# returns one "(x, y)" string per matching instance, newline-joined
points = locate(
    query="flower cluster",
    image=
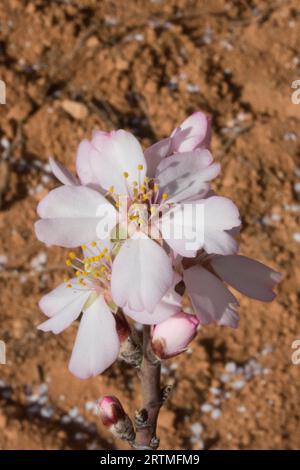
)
(155, 241)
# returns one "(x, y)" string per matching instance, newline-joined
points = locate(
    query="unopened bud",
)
(113, 416)
(172, 336)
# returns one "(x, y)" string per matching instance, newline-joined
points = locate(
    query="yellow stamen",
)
(78, 273)
(83, 246)
(68, 262)
(111, 189)
(72, 255)
(93, 243)
(135, 183)
(125, 174)
(140, 167)
(165, 196)
(69, 286)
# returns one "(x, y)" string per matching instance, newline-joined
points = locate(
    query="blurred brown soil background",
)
(71, 67)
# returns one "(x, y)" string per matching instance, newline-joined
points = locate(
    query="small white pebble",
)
(5, 143)
(206, 408)
(230, 367)
(215, 391)
(73, 412)
(43, 389)
(3, 259)
(65, 419)
(296, 237)
(239, 384)
(290, 136)
(192, 88)
(242, 409)
(225, 378)
(297, 171)
(47, 412)
(216, 413)
(297, 187)
(196, 429)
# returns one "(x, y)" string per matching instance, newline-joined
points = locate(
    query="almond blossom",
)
(158, 247)
(149, 212)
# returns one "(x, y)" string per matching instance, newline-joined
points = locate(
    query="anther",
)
(140, 167)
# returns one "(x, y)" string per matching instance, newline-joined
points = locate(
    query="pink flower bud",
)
(172, 336)
(113, 416)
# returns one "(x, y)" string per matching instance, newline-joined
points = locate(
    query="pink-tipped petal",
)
(210, 298)
(141, 274)
(83, 164)
(112, 155)
(169, 305)
(97, 343)
(62, 174)
(248, 276)
(155, 154)
(194, 132)
(185, 176)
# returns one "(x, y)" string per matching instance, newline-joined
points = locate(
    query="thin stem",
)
(151, 395)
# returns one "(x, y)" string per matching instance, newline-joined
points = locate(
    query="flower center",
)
(93, 271)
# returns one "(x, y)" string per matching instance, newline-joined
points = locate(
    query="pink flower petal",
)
(248, 276)
(193, 133)
(185, 176)
(211, 300)
(83, 164)
(166, 307)
(97, 343)
(113, 154)
(141, 274)
(155, 154)
(62, 174)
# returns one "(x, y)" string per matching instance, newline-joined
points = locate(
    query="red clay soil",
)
(71, 67)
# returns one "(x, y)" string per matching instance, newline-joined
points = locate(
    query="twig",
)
(151, 397)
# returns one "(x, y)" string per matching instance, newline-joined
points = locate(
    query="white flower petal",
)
(62, 174)
(248, 276)
(141, 275)
(155, 154)
(169, 305)
(210, 298)
(61, 297)
(97, 343)
(74, 215)
(220, 215)
(184, 176)
(113, 154)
